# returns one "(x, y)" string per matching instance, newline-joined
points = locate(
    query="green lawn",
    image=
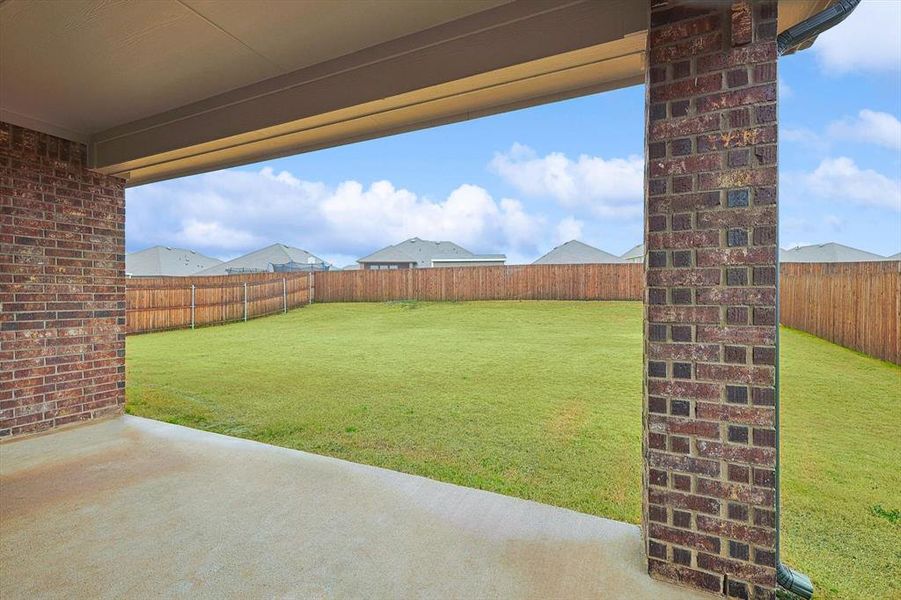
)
(540, 400)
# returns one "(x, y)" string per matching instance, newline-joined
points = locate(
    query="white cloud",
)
(568, 229)
(608, 187)
(870, 126)
(785, 91)
(233, 211)
(840, 179)
(834, 222)
(795, 223)
(804, 137)
(198, 233)
(868, 40)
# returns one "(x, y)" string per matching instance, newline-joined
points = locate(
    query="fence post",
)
(285, 292)
(245, 301)
(192, 306)
(311, 286)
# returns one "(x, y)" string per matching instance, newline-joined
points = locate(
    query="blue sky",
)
(524, 181)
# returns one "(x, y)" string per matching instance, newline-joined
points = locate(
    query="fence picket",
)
(857, 305)
(158, 303)
(853, 304)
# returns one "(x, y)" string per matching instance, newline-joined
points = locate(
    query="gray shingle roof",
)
(416, 251)
(829, 252)
(634, 254)
(896, 256)
(259, 260)
(575, 252)
(164, 260)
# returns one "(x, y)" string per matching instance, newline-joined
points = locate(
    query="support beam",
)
(62, 285)
(709, 514)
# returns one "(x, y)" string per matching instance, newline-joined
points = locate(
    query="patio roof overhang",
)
(177, 87)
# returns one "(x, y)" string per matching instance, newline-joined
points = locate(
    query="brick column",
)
(710, 311)
(62, 285)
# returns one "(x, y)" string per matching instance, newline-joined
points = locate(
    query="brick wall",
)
(62, 292)
(710, 345)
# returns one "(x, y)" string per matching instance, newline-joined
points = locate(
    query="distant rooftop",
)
(167, 261)
(417, 251)
(829, 252)
(634, 254)
(262, 259)
(575, 252)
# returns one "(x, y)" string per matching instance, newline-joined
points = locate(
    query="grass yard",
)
(540, 400)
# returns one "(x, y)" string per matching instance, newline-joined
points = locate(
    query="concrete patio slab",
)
(134, 508)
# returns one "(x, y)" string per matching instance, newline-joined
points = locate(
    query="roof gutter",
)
(804, 33)
(795, 38)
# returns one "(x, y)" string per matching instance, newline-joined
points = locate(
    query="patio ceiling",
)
(175, 87)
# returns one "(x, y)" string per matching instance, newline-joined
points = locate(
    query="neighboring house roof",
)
(259, 260)
(353, 267)
(299, 267)
(415, 250)
(634, 254)
(896, 256)
(830, 252)
(164, 260)
(575, 252)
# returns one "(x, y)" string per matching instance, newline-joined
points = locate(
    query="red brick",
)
(747, 217)
(762, 336)
(765, 72)
(743, 454)
(687, 87)
(680, 166)
(741, 569)
(742, 23)
(737, 57)
(757, 375)
(63, 244)
(677, 425)
(685, 389)
(730, 413)
(736, 138)
(684, 277)
(684, 538)
(684, 49)
(737, 178)
(684, 314)
(685, 29)
(664, 351)
(682, 464)
(684, 203)
(731, 296)
(738, 256)
(701, 504)
(737, 531)
(676, 128)
(685, 576)
(723, 100)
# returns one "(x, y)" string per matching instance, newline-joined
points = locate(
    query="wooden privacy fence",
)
(856, 305)
(524, 282)
(157, 303)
